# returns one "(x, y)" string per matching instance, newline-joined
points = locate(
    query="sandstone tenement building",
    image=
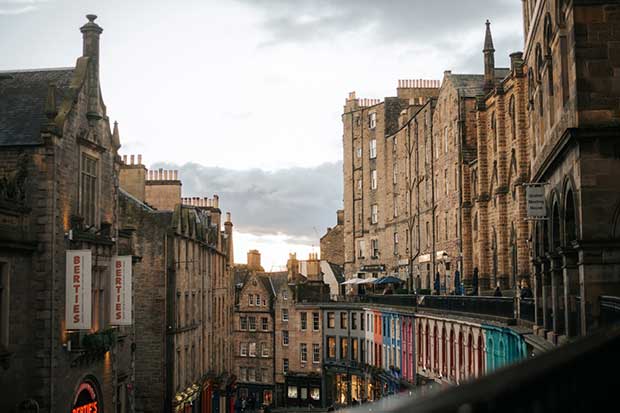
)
(332, 243)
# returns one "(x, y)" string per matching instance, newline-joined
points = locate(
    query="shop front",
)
(256, 395)
(87, 397)
(303, 391)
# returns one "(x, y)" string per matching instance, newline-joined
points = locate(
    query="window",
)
(243, 373)
(244, 323)
(375, 248)
(354, 349)
(428, 234)
(372, 120)
(285, 366)
(331, 320)
(362, 319)
(285, 314)
(265, 323)
(304, 321)
(264, 350)
(257, 300)
(331, 347)
(315, 393)
(315, 321)
(374, 214)
(316, 353)
(353, 321)
(259, 376)
(395, 201)
(396, 243)
(252, 352)
(285, 337)
(303, 347)
(303, 393)
(88, 196)
(359, 184)
(292, 392)
(360, 248)
(373, 179)
(344, 347)
(244, 350)
(251, 300)
(395, 143)
(252, 323)
(343, 320)
(359, 152)
(251, 374)
(395, 174)
(285, 295)
(373, 148)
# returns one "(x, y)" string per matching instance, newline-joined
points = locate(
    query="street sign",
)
(535, 199)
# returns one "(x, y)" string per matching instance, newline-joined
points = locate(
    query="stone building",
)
(375, 225)
(253, 326)
(183, 284)
(332, 243)
(61, 347)
(571, 54)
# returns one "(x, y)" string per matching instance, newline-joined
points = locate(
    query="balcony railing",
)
(576, 377)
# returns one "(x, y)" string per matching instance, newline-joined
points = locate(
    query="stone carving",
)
(13, 184)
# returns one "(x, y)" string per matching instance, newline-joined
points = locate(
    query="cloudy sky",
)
(244, 96)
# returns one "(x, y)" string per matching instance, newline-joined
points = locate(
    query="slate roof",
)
(338, 272)
(278, 279)
(473, 85)
(22, 102)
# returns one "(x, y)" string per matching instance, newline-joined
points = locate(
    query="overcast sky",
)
(245, 96)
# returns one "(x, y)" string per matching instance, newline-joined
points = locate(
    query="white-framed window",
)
(251, 300)
(285, 314)
(372, 120)
(359, 151)
(315, 322)
(243, 321)
(304, 352)
(304, 321)
(445, 139)
(252, 320)
(284, 366)
(264, 350)
(265, 323)
(251, 374)
(361, 246)
(373, 179)
(244, 350)
(284, 294)
(257, 300)
(374, 214)
(359, 184)
(285, 337)
(243, 373)
(395, 206)
(316, 353)
(375, 247)
(252, 350)
(395, 143)
(373, 148)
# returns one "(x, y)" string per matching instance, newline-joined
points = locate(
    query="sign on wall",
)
(535, 198)
(120, 297)
(85, 399)
(78, 290)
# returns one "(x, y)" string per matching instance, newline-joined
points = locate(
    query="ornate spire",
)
(116, 140)
(488, 39)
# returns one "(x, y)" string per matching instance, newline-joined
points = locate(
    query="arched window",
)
(480, 355)
(570, 218)
(452, 345)
(560, 7)
(476, 227)
(530, 88)
(513, 117)
(419, 349)
(474, 183)
(539, 63)
(435, 351)
(548, 34)
(470, 355)
(494, 131)
(444, 352)
(461, 364)
(427, 347)
(555, 226)
(490, 355)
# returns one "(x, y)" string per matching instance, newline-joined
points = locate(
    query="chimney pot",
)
(139, 159)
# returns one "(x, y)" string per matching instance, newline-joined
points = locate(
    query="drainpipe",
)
(53, 267)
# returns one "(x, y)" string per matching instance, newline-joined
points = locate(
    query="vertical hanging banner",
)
(120, 297)
(78, 296)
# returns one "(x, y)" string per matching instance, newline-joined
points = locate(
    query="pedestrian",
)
(244, 404)
(237, 405)
(457, 282)
(474, 283)
(498, 291)
(437, 284)
(526, 291)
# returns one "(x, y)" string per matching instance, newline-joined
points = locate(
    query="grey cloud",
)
(290, 201)
(420, 21)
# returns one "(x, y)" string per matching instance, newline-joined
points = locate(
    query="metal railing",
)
(610, 310)
(576, 377)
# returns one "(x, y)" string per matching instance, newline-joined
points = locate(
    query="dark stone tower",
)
(489, 60)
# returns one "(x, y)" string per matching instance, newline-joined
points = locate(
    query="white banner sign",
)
(78, 290)
(535, 197)
(120, 298)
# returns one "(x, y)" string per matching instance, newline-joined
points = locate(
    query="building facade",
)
(65, 342)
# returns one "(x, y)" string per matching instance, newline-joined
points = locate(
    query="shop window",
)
(315, 393)
(303, 393)
(292, 392)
